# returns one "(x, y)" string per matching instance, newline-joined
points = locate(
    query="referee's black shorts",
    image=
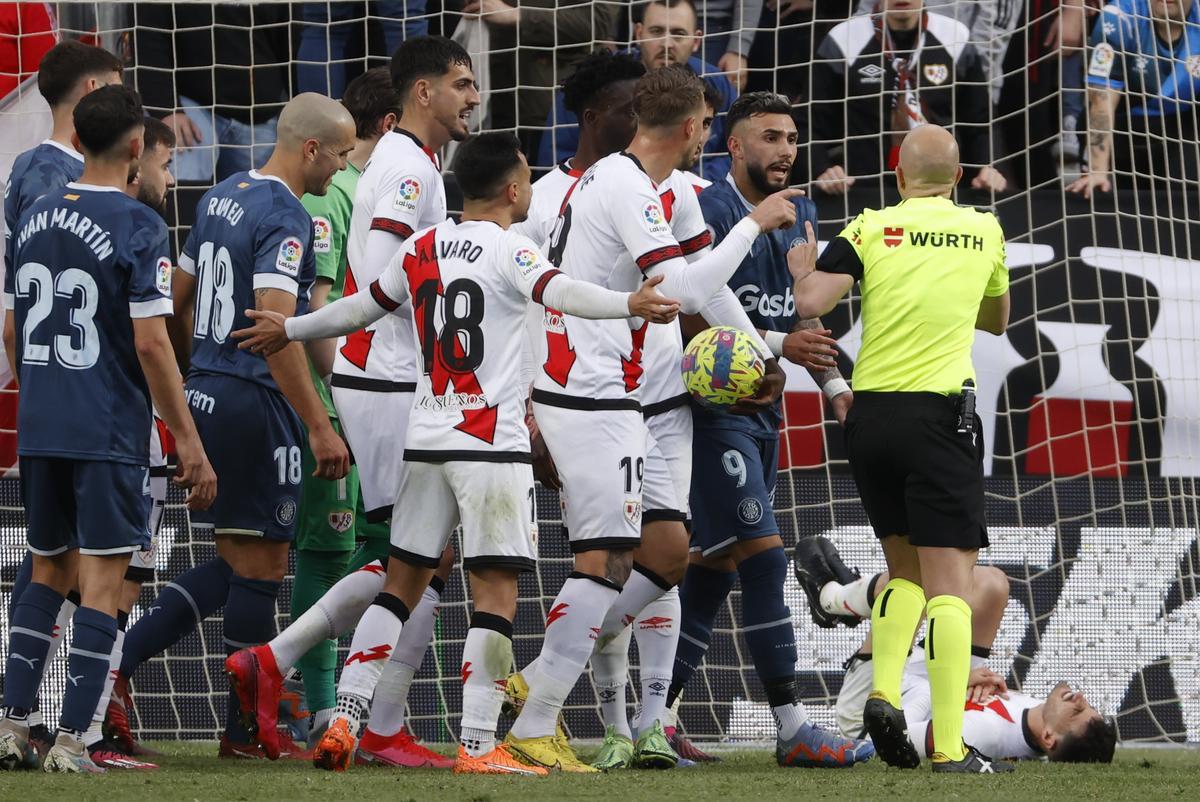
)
(916, 475)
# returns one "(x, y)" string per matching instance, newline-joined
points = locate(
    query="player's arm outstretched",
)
(534, 277)
(818, 291)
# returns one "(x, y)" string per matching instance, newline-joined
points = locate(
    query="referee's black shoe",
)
(816, 563)
(974, 762)
(889, 732)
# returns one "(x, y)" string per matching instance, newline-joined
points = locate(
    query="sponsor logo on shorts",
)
(633, 511)
(750, 511)
(341, 521)
(408, 192)
(201, 401)
(285, 512)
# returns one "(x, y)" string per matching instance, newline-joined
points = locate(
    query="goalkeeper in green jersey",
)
(331, 513)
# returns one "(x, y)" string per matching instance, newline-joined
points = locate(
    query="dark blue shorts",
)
(97, 507)
(733, 485)
(252, 437)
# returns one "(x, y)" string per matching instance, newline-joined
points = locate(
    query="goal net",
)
(1090, 403)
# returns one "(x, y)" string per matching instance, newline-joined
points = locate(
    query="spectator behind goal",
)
(667, 33)
(223, 103)
(1149, 52)
(927, 72)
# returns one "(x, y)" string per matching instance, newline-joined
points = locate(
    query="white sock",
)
(838, 599)
(334, 614)
(610, 675)
(391, 692)
(114, 664)
(571, 629)
(657, 634)
(639, 591)
(487, 659)
(94, 734)
(789, 719)
(320, 719)
(65, 614)
(531, 668)
(374, 639)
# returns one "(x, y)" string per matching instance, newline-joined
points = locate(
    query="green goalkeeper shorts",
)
(328, 510)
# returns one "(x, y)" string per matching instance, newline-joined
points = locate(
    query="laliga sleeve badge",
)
(322, 235)
(162, 276)
(408, 192)
(288, 259)
(652, 216)
(526, 260)
(1103, 56)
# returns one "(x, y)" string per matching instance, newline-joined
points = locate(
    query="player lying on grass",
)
(998, 722)
(467, 458)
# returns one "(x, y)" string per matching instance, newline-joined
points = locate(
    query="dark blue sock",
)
(701, 595)
(180, 607)
(20, 582)
(254, 624)
(28, 642)
(87, 667)
(767, 624)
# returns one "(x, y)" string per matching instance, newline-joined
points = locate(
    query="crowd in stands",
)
(1036, 91)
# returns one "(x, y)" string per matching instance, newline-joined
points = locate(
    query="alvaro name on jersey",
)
(251, 233)
(468, 285)
(87, 260)
(399, 192)
(611, 230)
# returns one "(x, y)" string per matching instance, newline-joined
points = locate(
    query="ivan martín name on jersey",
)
(940, 239)
(453, 402)
(752, 298)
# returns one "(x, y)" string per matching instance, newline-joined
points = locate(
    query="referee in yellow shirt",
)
(931, 272)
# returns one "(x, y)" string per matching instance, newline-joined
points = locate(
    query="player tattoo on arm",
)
(829, 371)
(1101, 105)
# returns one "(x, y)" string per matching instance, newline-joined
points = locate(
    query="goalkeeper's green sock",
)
(894, 620)
(948, 657)
(316, 573)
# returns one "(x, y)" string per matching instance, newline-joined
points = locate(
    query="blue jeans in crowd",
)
(322, 68)
(227, 146)
(1073, 93)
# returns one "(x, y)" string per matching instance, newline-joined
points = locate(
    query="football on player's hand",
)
(721, 366)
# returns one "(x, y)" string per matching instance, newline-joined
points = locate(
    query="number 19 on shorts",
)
(288, 464)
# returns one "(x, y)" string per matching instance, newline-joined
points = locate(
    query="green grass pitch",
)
(191, 771)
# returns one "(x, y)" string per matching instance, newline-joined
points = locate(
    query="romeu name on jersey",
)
(468, 285)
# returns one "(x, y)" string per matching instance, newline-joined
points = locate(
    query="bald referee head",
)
(315, 136)
(929, 163)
